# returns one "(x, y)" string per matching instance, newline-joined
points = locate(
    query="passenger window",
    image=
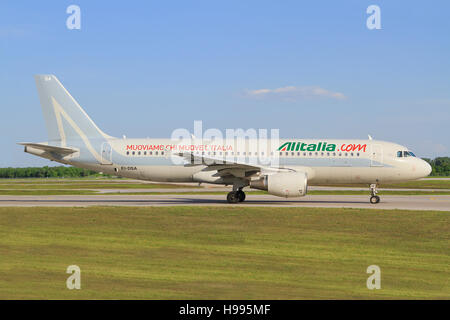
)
(128, 152)
(156, 153)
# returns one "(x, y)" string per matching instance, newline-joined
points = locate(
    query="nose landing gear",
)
(373, 190)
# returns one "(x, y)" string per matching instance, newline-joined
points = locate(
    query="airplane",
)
(74, 139)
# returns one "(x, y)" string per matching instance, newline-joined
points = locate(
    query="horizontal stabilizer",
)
(58, 150)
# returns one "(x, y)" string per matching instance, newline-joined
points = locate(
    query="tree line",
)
(440, 165)
(46, 172)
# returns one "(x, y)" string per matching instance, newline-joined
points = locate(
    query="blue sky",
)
(310, 68)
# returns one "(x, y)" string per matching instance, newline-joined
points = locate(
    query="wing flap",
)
(226, 167)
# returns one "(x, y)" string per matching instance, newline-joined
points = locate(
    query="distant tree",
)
(440, 166)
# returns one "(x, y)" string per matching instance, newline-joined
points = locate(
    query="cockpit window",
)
(401, 154)
(406, 154)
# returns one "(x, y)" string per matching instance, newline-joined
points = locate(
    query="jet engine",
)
(283, 184)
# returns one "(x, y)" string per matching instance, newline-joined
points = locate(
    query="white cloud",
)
(294, 93)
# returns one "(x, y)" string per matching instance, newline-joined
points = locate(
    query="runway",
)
(440, 202)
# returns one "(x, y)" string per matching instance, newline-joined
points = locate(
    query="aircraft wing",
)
(227, 167)
(63, 151)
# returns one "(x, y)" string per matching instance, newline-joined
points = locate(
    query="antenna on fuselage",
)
(370, 137)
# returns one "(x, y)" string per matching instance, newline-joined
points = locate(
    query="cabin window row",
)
(144, 153)
(281, 154)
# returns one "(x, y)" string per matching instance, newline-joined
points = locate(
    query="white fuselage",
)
(325, 161)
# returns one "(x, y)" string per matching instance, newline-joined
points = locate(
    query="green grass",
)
(13, 192)
(416, 184)
(38, 192)
(434, 177)
(228, 253)
(95, 186)
(312, 192)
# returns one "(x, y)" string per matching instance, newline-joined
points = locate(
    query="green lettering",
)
(285, 146)
(302, 148)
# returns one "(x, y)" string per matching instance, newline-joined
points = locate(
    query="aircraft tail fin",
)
(64, 117)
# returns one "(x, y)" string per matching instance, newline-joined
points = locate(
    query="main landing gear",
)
(373, 190)
(236, 196)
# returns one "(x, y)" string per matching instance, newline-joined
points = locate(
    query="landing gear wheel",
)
(374, 199)
(232, 197)
(240, 195)
(373, 191)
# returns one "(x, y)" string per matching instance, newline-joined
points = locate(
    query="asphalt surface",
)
(331, 201)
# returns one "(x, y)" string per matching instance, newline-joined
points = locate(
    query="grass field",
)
(15, 192)
(416, 184)
(37, 187)
(71, 185)
(310, 192)
(115, 183)
(218, 252)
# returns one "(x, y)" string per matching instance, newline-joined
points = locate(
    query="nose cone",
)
(425, 168)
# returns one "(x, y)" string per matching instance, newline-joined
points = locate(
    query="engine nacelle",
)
(283, 184)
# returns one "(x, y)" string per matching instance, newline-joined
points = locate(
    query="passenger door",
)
(376, 155)
(106, 153)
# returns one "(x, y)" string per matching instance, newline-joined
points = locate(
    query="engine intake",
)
(283, 184)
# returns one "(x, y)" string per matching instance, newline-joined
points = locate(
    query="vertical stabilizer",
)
(64, 118)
